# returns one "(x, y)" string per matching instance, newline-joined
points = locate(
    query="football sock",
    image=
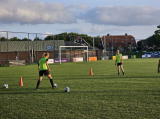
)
(51, 81)
(38, 83)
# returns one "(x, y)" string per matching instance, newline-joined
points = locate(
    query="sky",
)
(138, 18)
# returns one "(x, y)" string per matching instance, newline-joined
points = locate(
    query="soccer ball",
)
(66, 89)
(5, 86)
(55, 85)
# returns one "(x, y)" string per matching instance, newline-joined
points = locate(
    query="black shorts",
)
(45, 72)
(119, 64)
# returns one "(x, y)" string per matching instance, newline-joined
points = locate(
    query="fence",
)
(31, 46)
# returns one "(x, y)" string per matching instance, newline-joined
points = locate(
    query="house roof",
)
(79, 41)
(72, 43)
(79, 38)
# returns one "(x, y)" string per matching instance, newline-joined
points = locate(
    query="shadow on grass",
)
(19, 77)
(27, 91)
(72, 77)
(117, 92)
(42, 91)
(13, 85)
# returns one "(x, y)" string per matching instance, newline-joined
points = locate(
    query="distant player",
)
(43, 68)
(16, 57)
(119, 62)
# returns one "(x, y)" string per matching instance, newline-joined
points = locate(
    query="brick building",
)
(116, 41)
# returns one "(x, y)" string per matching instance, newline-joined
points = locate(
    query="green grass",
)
(103, 95)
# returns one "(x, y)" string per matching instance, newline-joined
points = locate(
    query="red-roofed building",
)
(116, 41)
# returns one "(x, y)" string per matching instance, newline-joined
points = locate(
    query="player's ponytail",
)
(45, 54)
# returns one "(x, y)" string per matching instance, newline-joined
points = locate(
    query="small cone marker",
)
(91, 73)
(20, 82)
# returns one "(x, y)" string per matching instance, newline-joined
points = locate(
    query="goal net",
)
(73, 52)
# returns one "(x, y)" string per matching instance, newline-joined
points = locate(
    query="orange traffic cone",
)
(91, 73)
(20, 82)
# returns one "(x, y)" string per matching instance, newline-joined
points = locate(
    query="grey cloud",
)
(34, 12)
(37, 12)
(84, 30)
(122, 15)
(80, 7)
(77, 29)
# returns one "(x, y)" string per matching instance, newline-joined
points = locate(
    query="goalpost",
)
(70, 47)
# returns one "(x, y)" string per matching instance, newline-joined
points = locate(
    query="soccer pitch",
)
(103, 95)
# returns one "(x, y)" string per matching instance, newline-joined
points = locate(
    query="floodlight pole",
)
(104, 42)
(112, 45)
(36, 49)
(87, 54)
(93, 39)
(126, 45)
(0, 45)
(32, 55)
(7, 45)
(28, 47)
(126, 41)
(105, 45)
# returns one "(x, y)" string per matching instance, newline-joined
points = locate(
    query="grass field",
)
(136, 95)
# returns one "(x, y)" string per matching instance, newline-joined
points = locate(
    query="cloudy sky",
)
(139, 18)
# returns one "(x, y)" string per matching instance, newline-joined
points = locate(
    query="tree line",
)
(62, 36)
(153, 41)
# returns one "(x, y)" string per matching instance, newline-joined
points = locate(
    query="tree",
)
(15, 39)
(157, 33)
(26, 39)
(72, 36)
(139, 44)
(3, 39)
(64, 36)
(37, 39)
(88, 39)
(97, 41)
(50, 37)
(152, 41)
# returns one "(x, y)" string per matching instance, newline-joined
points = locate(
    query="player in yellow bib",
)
(44, 69)
(119, 62)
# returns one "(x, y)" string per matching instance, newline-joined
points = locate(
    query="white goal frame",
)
(70, 47)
